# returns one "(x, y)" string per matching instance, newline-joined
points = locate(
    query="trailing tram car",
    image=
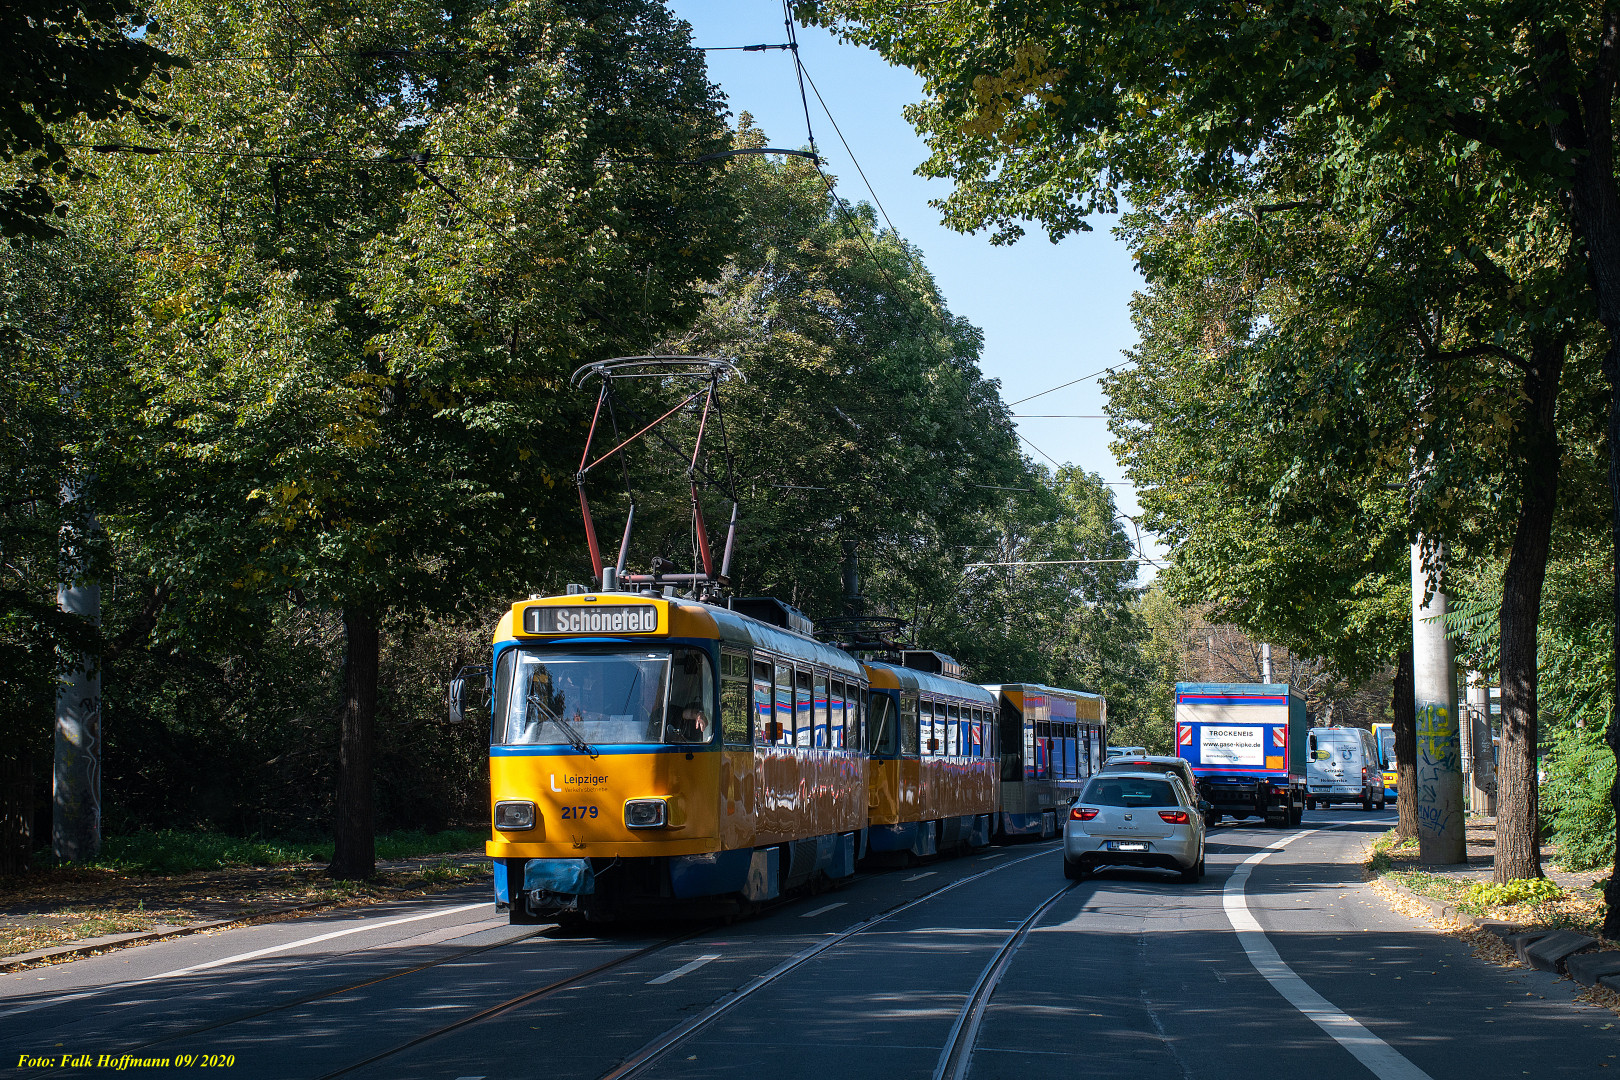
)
(1051, 741)
(653, 752)
(933, 770)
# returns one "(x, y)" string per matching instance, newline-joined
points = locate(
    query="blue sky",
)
(1050, 312)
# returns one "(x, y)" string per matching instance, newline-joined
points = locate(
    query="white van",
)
(1341, 766)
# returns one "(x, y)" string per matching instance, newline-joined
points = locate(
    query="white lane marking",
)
(65, 998)
(684, 969)
(919, 877)
(997, 855)
(1381, 1059)
(823, 910)
(317, 939)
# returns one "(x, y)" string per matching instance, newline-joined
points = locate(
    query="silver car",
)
(1151, 764)
(1134, 819)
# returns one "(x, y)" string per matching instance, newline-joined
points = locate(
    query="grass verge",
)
(174, 851)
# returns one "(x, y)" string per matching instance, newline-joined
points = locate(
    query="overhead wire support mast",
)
(707, 373)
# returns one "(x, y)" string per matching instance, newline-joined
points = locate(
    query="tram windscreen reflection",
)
(606, 699)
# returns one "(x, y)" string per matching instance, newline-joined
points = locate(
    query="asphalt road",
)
(1279, 963)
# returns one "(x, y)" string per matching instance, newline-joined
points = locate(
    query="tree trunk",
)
(1404, 724)
(354, 852)
(1611, 367)
(1584, 133)
(16, 808)
(1518, 797)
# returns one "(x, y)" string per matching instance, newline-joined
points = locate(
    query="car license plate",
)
(1127, 845)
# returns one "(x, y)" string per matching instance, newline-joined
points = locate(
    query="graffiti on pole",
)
(1439, 751)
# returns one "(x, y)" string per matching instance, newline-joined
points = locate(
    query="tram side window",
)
(855, 714)
(735, 694)
(953, 730)
(763, 708)
(819, 707)
(925, 727)
(908, 723)
(880, 721)
(784, 705)
(801, 719)
(975, 739)
(835, 713)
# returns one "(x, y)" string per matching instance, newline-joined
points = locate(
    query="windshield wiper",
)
(575, 739)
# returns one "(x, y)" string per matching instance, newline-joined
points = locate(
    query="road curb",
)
(1448, 913)
(22, 961)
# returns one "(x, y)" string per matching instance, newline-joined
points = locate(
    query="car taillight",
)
(1174, 817)
(1365, 772)
(1082, 813)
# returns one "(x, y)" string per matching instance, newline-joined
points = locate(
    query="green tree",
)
(368, 265)
(864, 415)
(64, 397)
(64, 61)
(1051, 111)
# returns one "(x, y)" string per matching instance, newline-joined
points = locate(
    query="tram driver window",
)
(690, 714)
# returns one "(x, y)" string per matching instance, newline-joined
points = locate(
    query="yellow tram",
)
(647, 750)
(933, 768)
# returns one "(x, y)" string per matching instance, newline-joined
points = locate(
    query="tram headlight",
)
(646, 813)
(514, 816)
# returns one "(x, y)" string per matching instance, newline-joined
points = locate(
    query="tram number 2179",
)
(578, 812)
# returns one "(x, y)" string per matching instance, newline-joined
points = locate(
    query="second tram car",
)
(933, 769)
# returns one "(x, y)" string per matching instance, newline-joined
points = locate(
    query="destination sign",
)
(594, 619)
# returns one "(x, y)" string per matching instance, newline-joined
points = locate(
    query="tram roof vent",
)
(929, 660)
(768, 609)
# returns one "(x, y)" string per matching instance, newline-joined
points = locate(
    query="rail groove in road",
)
(512, 1003)
(307, 998)
(957, 1054)
(652, 1051)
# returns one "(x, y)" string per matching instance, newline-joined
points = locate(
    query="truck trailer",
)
(1246, 745)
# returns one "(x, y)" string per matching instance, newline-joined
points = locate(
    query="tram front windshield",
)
(646, 696)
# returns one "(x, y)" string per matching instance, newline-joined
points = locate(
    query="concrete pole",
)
(76, 780)
(1265, 662)
(1442, 836)
(1477, 756)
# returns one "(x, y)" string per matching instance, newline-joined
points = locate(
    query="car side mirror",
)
(1205, 805)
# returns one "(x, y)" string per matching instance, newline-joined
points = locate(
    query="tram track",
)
(631, 1066)
(650, 1053)
(957, 1055)
(348, 988)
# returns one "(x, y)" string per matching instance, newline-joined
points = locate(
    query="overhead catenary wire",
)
(798, 67)
(1071, 382)
(853, 159)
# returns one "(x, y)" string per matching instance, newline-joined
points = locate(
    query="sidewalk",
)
(57, 915)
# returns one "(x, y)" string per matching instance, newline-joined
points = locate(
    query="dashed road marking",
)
(684, 969)
(822, 910)
(919, 877)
